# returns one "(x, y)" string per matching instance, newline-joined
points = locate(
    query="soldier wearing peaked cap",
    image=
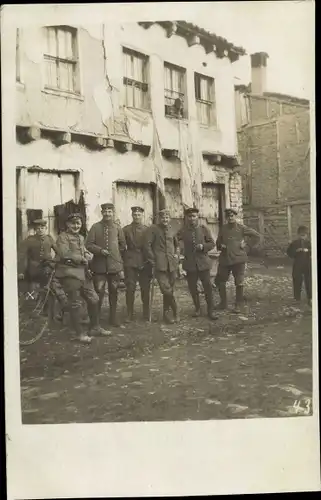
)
(35, 260)
(72, 273)
(162, 252)
(107, 243)
(137, 268)
(233, 257)
(197, 241)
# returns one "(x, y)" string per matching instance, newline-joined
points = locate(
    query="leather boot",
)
(113, 307)
(174, 308)
(166, 306)
(223, 300)
(239, 299)
(130, 307)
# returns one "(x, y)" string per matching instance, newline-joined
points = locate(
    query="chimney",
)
(258, 65)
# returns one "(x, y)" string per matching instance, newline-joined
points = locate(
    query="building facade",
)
(274, 145)
(89, 102)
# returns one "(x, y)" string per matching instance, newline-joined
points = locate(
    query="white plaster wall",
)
(100, 111)
(98, 170)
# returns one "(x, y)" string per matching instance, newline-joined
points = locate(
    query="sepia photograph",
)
(164, 223)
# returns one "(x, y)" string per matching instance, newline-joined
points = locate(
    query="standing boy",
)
(72, 272)
(161, 249)
(233, 257)
(136, 269)
(107, 243)
(300, 251)
(197, 242)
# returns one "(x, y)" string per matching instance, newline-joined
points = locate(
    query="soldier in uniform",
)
(162, 252)
(197, 242)
(35, 261)
(233, 257)
(136, 269)
(72, 272)
(107, 243)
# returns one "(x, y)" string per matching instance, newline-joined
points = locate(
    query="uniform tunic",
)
(197, 263)
(136, 266)
(191, 237)
(73, 278)
(106, 236)
(34, 251)
(233, 257)
(161, 247)
(134, 237)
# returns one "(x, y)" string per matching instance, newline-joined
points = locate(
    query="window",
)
(135, 79)
(61, 59)
(175, 101)
(205, 99)
(18, 63)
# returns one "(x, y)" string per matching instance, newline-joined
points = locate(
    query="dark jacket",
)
(231, 235)
(191, 237)
(29, 253)
(134, 237)
(161, 247)
(96, 241)
(71, 247)
(301, 259)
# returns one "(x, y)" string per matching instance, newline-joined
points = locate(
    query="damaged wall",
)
(99, 109)
(98, 170)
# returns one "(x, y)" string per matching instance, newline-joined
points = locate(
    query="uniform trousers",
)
(143, 277)
(75, 290)
(192, 279)
(113, 281)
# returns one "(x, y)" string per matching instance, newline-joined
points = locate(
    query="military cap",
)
(192, 210)
(39, 222)
(164, 211)
(137, 209)
(74, 216)
(107, 205)
(231, 211)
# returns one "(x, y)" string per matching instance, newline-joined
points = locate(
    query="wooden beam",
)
(28, 134)
(171, 29)
(127, 147)
(145, 24)
(100, 142)
(210, 48)
(62, 138)
(170, 153)
(110, 143)
(193, 40)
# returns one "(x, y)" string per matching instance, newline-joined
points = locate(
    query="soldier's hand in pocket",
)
(105, 253)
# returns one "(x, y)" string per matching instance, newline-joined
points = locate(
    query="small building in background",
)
(90, 102)
(274, 145)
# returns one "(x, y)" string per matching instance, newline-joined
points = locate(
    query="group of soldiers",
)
(82, 268)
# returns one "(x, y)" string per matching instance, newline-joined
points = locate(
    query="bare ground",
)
(257, 364)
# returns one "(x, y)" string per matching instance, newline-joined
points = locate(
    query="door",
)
(211, 207)
(129, 194)
(45, 190)
(173, 202)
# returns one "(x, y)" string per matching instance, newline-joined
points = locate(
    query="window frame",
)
(210, 103)
(74, 61)
(183, 73)
(130, 83)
